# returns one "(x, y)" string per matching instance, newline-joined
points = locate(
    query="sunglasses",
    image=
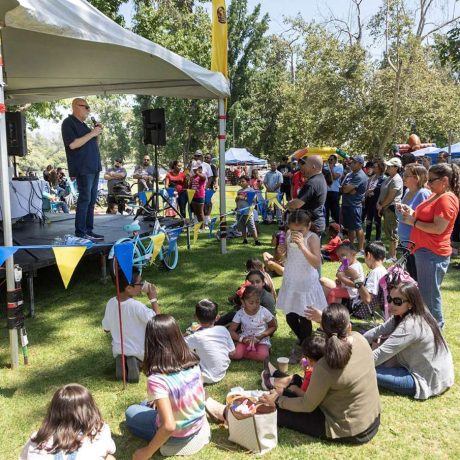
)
(83, 105)
(137, 284)
(396, 300)
(430, 181)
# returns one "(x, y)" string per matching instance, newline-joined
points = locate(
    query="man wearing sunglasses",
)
(84, 162)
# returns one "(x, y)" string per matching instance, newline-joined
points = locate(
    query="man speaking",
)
(84, 163)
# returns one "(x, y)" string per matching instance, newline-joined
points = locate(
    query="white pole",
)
(223, 207)
(6, 212)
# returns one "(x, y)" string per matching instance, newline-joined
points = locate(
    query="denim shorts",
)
(351, 217)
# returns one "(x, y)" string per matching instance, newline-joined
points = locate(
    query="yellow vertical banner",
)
(67, 259)
(157, 241)
(219, 59)
(251, 210)
(278, 204)
(190, 194)
(196, 228)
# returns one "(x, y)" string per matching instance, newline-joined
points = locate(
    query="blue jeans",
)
(396, 379)
(87, 195)
(431, 269)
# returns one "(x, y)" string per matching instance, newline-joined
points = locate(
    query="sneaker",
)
(296, 354)
(257, 243)
(96, 236)
(267, 381)
(215, 410)
(245, 241)
(133, 369)
(269, 367)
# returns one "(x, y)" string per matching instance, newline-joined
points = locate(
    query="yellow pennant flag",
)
(190, 194)
(157, 241)
(251, 210)
(196, 227)
(67, 259)
(271, 195)
(148, 195)
(219, 60)
(231, 195)
(278, 204)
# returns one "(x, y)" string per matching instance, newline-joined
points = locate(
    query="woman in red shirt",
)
(176, 178)
(432, 224)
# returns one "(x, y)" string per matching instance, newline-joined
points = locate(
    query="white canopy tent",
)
(54, 49)
(426, 151)
(236, 156)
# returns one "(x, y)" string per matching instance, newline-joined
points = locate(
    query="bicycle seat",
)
(132, 227)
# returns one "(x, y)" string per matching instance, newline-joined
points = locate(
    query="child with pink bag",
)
(257, 325)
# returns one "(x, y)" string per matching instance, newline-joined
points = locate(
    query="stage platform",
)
(33, 232)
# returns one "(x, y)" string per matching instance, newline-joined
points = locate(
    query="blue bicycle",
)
(143, 248)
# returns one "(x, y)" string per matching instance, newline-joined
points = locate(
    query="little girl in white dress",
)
(301, 287)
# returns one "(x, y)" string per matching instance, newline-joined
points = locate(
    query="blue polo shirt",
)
(86, 159)
(359, 180)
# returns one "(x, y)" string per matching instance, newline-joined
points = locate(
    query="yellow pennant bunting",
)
(251, 210)
(157, 241)
(148, 195)
(190, 195)
(271, 195)
(67, 259)
(278, 204)
(196, 228)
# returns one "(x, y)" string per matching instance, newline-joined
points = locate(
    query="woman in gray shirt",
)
(414, 359)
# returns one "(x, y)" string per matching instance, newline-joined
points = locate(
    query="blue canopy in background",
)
(236, 156)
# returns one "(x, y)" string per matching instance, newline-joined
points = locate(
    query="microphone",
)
(94, 121)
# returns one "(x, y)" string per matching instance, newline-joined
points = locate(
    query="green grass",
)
(67, 344)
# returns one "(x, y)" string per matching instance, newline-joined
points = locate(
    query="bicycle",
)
(143, 248)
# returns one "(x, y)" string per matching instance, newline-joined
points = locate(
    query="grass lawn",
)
(67, 345)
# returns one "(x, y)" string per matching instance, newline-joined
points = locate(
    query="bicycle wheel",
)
(169, 258)
(138, 258)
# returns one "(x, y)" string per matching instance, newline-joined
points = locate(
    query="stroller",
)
(369, 313)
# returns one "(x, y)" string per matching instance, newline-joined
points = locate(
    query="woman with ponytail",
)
(432, 224)
(342, 401)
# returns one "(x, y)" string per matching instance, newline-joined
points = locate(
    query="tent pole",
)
(6, 211)
(223, 207)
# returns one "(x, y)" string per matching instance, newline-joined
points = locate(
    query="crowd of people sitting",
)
(55, 190)
(337, 398)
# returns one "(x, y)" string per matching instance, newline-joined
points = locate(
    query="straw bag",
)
(256, 432)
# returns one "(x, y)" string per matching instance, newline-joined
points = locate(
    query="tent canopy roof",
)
(235, 156)
(56, 49)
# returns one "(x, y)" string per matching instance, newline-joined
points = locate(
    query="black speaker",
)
(16, 137)
(154, 126)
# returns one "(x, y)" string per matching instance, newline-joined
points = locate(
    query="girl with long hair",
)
(414, 359)
(173, 420)
(73, 429)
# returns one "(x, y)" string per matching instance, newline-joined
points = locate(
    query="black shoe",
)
(245, 241)
(96, 236)
(257, 243)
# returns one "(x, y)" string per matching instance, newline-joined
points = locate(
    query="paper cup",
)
(146, 286)
(283, 364)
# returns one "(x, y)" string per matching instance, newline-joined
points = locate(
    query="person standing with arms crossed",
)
(84, 162)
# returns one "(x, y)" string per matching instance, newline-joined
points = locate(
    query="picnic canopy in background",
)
(236, 156)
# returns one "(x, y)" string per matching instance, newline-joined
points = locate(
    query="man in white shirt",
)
(213, 344)
(135, 316)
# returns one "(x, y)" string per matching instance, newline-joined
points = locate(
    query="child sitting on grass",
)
(73, 429)
(256, 264)
(294, 385)
(257, 325)
(329, 250)
(344, 287)
(275, 263)
(213, 344)
(135, 316)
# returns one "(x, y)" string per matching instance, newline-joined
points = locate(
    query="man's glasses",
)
(138, 284)
(396, 300)
(83, 105)
(430, 181)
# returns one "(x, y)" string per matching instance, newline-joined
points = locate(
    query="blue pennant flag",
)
(212, 222)
(280, 197)
(6, 252)
(250, 197)
(173, 235)
(171, 191)
(143, 198)
(208, 195)
(124, 252)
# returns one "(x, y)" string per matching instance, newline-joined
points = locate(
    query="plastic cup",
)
(283, 364)
(146, 286)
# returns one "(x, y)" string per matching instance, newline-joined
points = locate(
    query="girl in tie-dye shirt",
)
(173, 419)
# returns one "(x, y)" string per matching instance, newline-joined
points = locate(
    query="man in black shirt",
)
(312, 195)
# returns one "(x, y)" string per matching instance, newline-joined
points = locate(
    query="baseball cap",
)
(358, 158)
(198, 153)
(394, 162)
